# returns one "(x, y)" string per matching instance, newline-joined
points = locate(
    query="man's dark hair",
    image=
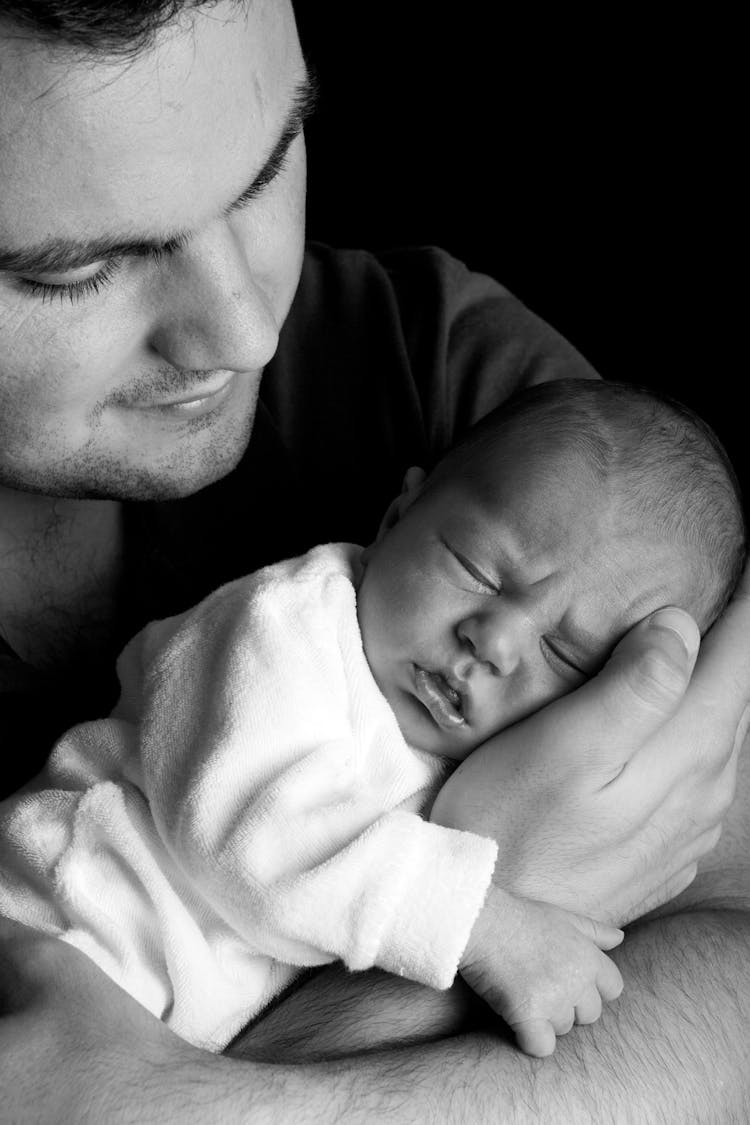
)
(664, 465)
(114, 28)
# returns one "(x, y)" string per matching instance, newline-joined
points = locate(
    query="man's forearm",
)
(673, 1049)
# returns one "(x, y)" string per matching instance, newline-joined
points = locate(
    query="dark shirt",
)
(382, 363)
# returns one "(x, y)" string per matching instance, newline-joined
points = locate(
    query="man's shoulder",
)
(453, 328)
(412, 273)
(416, 258)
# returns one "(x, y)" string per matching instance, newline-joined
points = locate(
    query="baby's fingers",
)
(536, 1037)
(602, 934)
(609, 980)
(589, 1007)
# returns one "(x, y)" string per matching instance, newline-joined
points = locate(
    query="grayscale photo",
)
(374, 596)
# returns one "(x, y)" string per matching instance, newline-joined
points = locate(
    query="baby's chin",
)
(422, 733)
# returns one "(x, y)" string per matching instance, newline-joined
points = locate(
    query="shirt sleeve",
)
(471, 342)
(250, 802)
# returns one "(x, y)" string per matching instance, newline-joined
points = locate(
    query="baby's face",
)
(481, 605)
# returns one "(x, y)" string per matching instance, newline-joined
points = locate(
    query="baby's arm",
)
(540, 967)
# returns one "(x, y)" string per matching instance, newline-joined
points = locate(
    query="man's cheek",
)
(16, 317)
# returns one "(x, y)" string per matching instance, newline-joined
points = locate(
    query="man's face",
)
(480, 605)
(134, 373)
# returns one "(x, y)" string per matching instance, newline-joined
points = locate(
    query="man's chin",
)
(207, 450)
(143, 459)
(92, 475)
(168, 482)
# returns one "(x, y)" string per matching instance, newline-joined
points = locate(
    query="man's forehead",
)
(150, 144)
(61, 254)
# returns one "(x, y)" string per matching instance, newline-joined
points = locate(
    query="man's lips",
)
(194, 400)
(442, 701)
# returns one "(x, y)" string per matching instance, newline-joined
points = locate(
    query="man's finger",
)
(722, 676)
(640, 687)
(652, 665)
(741, 733)
(714, 718)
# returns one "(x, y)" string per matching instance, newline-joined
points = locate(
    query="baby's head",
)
(505, 578)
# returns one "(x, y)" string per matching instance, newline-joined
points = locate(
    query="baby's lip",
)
(441, 697)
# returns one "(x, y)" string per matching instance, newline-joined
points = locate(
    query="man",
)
(151, 240)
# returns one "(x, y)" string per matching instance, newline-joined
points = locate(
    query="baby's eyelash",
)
(558, 660)
(74, 290)
(494, 587)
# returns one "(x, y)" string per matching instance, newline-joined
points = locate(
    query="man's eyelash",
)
(74, 290)
(77, 290)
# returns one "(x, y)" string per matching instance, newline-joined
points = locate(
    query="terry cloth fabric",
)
(249, 808)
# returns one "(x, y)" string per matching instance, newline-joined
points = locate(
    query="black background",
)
(588, 164)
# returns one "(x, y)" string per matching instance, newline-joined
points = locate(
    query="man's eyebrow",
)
(58, 255)
(305, 99)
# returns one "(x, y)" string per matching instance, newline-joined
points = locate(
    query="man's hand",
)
(540, 967)
(604, 801)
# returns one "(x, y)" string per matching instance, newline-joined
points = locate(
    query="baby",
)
(256, 801)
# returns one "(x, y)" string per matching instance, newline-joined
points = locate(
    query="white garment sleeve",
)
(248, 801)
(275, 772)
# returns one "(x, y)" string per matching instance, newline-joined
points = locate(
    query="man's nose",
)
(496, 638)
(214, 312)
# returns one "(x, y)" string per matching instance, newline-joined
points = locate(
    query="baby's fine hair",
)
(666, 467)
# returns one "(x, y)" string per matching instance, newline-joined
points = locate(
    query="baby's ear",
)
(413, 480)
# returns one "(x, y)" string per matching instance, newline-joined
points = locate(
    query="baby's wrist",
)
(494, 927)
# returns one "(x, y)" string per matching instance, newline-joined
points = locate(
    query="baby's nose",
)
(496, 640)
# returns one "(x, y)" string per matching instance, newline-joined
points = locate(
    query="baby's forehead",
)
(548, 515)
(555, 489)
(514, 450)
(551, 488)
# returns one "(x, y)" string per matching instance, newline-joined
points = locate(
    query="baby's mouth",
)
(442, 701)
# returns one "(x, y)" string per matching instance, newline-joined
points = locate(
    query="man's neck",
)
(60, 567)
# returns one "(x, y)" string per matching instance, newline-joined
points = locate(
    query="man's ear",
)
(414, 478)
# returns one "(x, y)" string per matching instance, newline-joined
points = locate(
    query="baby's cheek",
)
(396, 609)
(405, 601)
(413, 615)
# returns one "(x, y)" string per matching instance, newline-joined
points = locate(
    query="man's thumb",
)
(647, 674)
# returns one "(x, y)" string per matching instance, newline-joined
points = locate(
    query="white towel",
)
(249, 808)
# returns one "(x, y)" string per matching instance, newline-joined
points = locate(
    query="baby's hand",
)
(540, 967)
